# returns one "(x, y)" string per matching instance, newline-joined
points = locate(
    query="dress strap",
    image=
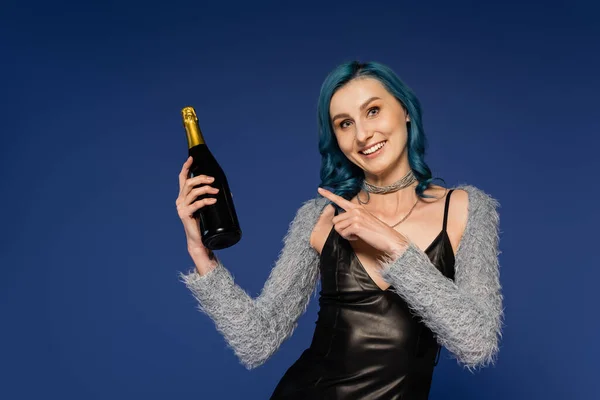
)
(439, 350)
(446, 209)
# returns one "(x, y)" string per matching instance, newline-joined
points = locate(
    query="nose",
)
(363, 133)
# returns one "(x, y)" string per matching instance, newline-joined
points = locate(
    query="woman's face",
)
(363, 113)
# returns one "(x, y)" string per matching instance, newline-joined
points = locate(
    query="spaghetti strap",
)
(446, 209)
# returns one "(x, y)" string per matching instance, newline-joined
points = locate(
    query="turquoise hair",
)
(340, 175)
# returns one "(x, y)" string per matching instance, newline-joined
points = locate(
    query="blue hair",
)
(343, 177)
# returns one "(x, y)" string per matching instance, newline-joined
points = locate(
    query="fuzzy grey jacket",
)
(466, 314)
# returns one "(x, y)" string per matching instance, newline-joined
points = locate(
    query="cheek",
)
(394, 128)
(344, 142)
(391, 125)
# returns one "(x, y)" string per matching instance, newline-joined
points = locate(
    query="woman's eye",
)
(343, 124)
(373, 109)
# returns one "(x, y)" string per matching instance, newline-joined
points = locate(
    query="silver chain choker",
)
(405, 181)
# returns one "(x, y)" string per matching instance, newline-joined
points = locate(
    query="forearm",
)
(255, 328)
(245, 328)
(464, 323)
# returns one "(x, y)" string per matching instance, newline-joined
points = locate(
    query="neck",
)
(390, 204)
(387, 178)
(397, 169)
(393, 202)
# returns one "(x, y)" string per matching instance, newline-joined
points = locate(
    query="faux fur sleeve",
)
(255, 328)
(465, 314)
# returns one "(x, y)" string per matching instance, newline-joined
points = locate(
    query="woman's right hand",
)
(188, 192)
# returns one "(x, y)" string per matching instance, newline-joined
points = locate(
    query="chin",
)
(379, 166)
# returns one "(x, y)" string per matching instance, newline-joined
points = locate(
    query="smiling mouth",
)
(374, 149)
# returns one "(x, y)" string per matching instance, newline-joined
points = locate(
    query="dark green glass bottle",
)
(219, 225)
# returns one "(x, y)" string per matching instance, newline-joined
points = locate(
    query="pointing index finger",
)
(339, 200)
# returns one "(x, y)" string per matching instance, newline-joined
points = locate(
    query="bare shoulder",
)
(436, 192)
(476, 198)
(458, 206)
(458, 211)
(471, 205)
(322, 228)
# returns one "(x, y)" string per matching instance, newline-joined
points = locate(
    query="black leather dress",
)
(367, 343)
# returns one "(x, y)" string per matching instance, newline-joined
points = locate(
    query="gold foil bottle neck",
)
(192, 129)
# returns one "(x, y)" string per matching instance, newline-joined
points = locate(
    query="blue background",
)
(91, 145)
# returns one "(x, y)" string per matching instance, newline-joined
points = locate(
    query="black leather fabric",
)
(367, 343)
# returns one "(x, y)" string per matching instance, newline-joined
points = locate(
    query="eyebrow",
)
(362, 107)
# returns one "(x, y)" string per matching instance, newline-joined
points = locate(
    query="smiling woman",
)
(405, 266)
(377, 114)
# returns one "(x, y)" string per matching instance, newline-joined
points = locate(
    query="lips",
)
(371, 146)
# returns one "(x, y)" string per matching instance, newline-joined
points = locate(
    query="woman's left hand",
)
(357, 222)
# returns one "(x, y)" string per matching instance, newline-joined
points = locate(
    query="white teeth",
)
(373, 149)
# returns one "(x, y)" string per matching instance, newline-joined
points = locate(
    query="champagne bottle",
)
(219, 224)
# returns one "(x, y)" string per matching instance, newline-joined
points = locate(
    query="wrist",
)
(397, 248)
(204, 260)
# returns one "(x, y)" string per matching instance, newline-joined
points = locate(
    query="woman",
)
(403, 269)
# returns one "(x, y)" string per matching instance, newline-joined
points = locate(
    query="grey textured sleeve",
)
(465, 314)
(255, 328)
